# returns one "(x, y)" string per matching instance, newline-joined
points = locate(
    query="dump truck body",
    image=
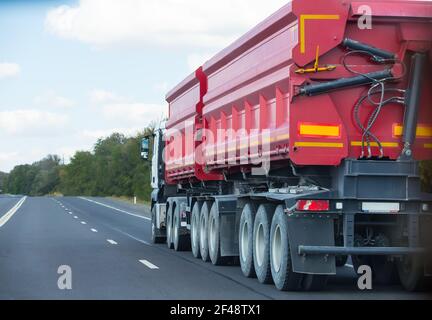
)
(299, 145)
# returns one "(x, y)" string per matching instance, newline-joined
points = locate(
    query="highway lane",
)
(107, 245)
(7, 202)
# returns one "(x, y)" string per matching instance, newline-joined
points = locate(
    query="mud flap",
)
(227, 209)
(311, 231)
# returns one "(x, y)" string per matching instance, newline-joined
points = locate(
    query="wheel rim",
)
(244, 241)
(176, 231)
(169, 230)
(277, 249)
(260, 245)
(194, 231)
(212, 234)
(202, 232)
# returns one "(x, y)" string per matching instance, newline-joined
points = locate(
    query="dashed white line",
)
(83, 222)
(116, 209)
(112, 242)
(94, 230)
(149, 265)
(75, 217)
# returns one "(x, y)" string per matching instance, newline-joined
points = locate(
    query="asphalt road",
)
(106, 244)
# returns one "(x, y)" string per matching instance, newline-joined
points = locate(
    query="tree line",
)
(112, 168)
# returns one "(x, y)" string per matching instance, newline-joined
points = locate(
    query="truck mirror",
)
(145, 149)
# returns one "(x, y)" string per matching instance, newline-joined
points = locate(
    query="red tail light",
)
(313, 205)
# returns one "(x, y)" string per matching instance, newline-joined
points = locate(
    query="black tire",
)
(261, 243)
(195, 234)
(384, 271)
(213, 237)
(157, 237)
(341, 261)
(284, 278)
(181, 240)
(411, 274)
(246, 230)
(313, 282)
(204, 217)
(169, 226)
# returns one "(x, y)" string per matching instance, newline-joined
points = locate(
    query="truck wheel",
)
(157, 238)
(204, 217)
(169, 229)
(214, 238)
(246, 241)
(314, 282)
(341, 261)
(195, 230)
(180, 240)
(384, 271)
(284, 278)
(261, 243)
(411, 273)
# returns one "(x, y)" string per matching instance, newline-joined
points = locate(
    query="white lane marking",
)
(94, 230)
(116, 209)
(11, 212)
(350, 266)
(132, 237)
(83, 222)
(112, 242)
(149, 265)
(75, 217)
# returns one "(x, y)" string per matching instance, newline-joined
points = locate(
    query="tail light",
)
(313, 205)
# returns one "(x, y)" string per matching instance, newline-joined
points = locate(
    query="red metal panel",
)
(252, 85)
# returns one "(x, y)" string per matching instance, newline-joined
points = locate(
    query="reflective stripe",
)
(319, 144)
(303, 19)
(319, 130)
(374, 144)
(422, 131)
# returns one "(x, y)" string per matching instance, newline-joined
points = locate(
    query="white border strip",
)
(11, 212)
(116, 209)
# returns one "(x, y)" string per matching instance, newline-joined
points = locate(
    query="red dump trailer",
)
(299, 146)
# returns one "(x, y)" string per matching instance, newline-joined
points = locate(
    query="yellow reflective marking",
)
(374, 144)
(304, 18)
(422, 131)
(319, 144)
(317, 130)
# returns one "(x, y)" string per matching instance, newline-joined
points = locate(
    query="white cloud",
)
(96, 134)
(99, 96)
(133, 114)
(161, 87)
(9, 70)
(196, 60)
(31, 123)
(51, 99)
(194, 23)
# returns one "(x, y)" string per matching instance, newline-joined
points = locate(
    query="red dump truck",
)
(299, 145)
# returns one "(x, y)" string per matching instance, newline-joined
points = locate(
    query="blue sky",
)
(72, 71)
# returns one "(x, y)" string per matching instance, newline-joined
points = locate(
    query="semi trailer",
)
(299, 146)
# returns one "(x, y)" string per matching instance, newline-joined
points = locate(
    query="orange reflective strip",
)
(422, 131)
(319, 130)
(319, 144)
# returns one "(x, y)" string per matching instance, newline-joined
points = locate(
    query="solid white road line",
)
(11, 212)
(112, 242)
(94, 230)
(149, 265)
(116, 209)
